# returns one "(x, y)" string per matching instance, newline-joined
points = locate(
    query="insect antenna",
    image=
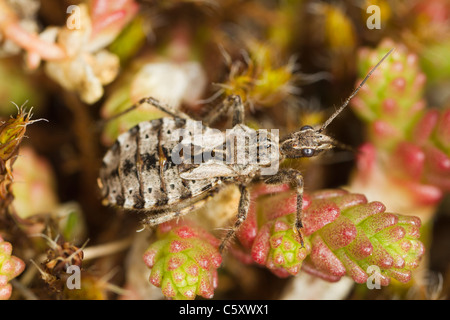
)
(346, 102)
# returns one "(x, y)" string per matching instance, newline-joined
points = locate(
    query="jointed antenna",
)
(336, 113)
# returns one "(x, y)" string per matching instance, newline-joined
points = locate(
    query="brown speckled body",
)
(138, 172)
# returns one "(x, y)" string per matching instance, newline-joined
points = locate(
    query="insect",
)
(140, 172)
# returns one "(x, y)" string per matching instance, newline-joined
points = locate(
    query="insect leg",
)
(163, 107)
(233, 102)
(154, 220)
(152, 101)
(295, 177)
(244, 204)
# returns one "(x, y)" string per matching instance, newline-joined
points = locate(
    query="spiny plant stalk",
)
(12, 131)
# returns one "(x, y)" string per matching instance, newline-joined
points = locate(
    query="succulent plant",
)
(10, 267)
(365, 235)
(425, 156)
(407, 152)
(278, 248)
(392, 100)
(184, 262)
(344, 235)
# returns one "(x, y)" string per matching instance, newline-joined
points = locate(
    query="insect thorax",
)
(237, 152)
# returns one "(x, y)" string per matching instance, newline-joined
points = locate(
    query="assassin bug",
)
(139, 171)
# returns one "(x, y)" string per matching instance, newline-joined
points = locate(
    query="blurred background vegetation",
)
(292, 62)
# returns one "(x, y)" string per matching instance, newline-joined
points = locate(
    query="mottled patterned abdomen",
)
(138, 172)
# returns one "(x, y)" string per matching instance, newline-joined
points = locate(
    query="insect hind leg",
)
(152, 101)
(155, 219)
(163, 107)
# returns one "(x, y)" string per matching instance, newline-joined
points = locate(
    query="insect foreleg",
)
(244, 204)
(233, 102)
(295, 177)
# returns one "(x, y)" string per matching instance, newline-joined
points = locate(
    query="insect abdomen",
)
(138, 172)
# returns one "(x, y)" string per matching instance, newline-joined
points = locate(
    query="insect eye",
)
(306, 128)
(307, 152)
